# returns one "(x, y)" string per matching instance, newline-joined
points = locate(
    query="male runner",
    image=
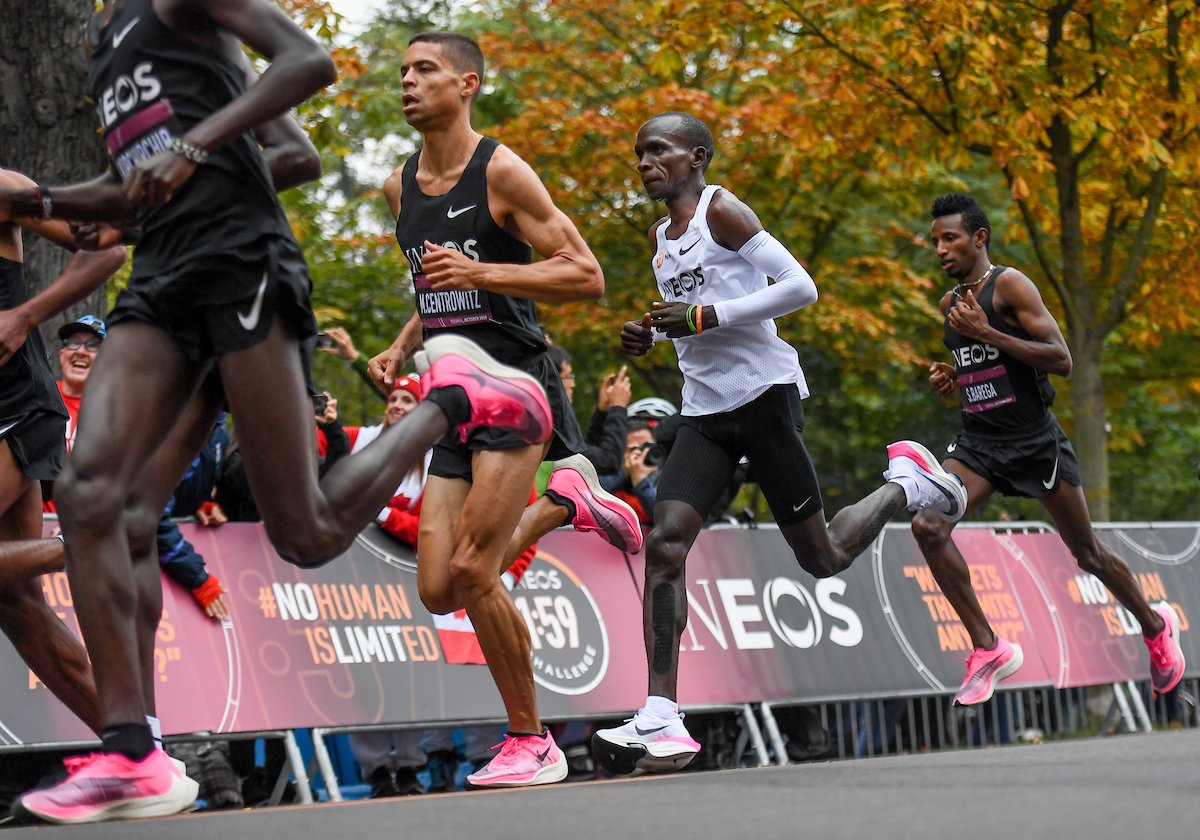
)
(1004, 341)
(468, 213)
(32, 424)
(741, 397)
(217, 285)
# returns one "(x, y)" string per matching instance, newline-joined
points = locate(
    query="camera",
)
(324, 341)
(656, 453)
(320, 402)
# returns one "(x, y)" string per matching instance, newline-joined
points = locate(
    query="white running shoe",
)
(646, 744)
(926, 484)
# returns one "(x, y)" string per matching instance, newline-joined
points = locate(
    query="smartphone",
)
(320, 401)
(324, 341)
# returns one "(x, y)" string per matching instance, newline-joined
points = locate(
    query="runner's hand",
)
(942, 379)
(385, 367)
(636, 336)
(671, 319)
(449, 268)
(967, 318)
(154, 180)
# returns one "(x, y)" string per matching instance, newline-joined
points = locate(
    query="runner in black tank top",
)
(469, 212)
(217, 286)
(32, 428)
(1004, 342)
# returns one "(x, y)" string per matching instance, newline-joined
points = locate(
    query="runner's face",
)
(433, 89)
(957, 251)
(664, 160)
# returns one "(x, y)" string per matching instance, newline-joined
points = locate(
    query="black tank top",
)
(26, 383)
(150, 85)
(507, 327)
(999, 394)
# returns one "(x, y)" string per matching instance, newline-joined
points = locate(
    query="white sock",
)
(660, 708)
(155, 730)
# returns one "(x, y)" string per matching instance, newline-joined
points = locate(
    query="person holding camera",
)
(637, 482)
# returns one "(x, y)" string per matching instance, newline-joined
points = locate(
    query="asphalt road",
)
(1125, 786)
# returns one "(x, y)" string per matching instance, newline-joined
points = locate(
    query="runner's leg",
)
(311, 523)
(1068, 508)
(132, 406)
(45, 644)
(664, 599)
(946, 562)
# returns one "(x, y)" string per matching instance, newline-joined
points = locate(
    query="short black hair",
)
(972, 214)
(462, 52)
(558, 356)
(693, 130)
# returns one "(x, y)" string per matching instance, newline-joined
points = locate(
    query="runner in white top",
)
(741, 397)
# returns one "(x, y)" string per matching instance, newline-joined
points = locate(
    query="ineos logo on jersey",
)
(974, 354)
(127, 93)
(415, 255)
(682, 283)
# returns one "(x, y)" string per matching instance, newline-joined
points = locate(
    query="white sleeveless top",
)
(730, 366)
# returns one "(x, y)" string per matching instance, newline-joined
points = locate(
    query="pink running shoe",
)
(596, 509)
(927, 485)
(104, 786)
(1166, 656)
(985, 668)
(523, 760)
(500, 395)
(643, 743)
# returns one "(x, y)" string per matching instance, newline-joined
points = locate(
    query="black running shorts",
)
(769, 431)
(38, 442)
(225, 302)
(452, 457)
(1030, 466)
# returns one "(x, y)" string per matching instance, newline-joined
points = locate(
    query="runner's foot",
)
(574, 479)
(985, 669)
(646, 744)
(523, 760)
(1166, 655)
(500, 396)
(104, 786)
(926, 484)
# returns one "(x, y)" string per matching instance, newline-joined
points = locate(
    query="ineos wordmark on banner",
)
(568, 636)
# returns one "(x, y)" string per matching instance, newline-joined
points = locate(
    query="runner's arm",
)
(568, 271)
(1046, 349)
(100, 199)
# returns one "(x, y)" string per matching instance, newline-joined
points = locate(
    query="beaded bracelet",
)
(187, 151)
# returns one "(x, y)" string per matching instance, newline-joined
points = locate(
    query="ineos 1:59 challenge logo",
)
(569, 640)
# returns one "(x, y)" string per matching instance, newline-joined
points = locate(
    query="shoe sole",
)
(928, 462)
(548, 775)
(624, 759)
(614, 534)
(1002, 673)
(1173, 617)
(455, 345)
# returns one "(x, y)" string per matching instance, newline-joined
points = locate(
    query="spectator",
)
(637, 482)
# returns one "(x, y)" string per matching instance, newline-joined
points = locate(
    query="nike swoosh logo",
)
(641, 731)
(542, 756)
(802, 504)
(452, 213)
(4, 430)
(952, 447)
(120, 36)
(683, 251)
(1053, 474)
(250, 320)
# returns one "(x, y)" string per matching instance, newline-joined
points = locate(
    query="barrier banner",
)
(350, 643)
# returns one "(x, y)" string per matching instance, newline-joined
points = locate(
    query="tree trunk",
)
(1090, 435)
(48, 131)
